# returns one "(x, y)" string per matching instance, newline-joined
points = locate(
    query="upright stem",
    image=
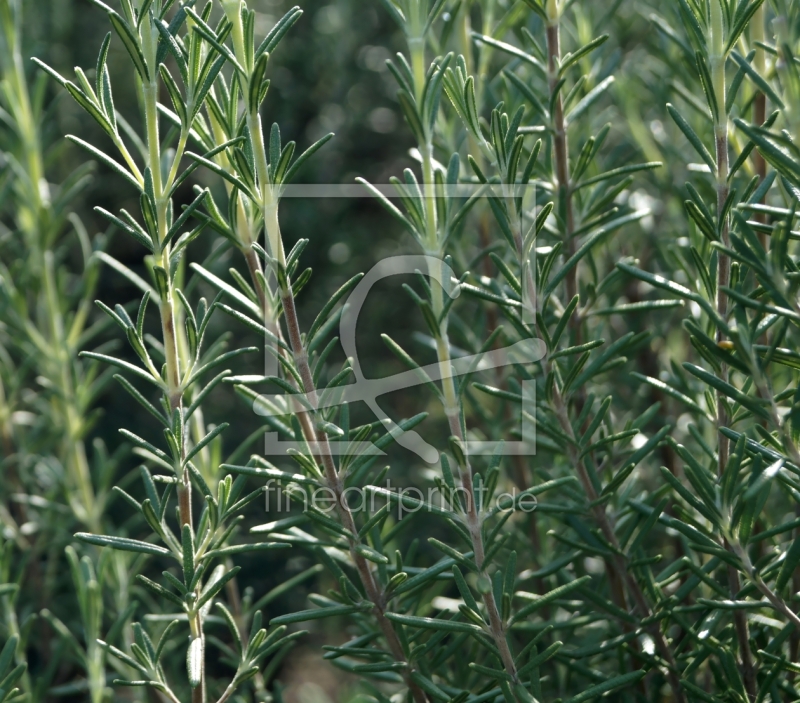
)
(717, 59)
(167, 302)
(561, 150)
(723, 277)
(38, 236)
(474, 523)
(317, 438)
(335, 483)
(246, 238)
(452, 407)
(12, 627)
(75, 449)
(777, 602)
(617, 562)
(27, 128)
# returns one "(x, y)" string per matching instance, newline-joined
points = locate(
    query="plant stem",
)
(717, 60)
(39, 235)
(723, 278)
(717, 65)
(617, 562)
(175, 387)
(777, 602)
(620, 579)
(743, 635)
(86, 509)
(167, 303)
(561, 155)
(452, 407)
(335, 483)
(317, 439)
(474, 523)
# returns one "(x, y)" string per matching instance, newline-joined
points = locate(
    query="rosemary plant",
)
(556, 561)
(196, 543)
(48, 394)
(738, 330)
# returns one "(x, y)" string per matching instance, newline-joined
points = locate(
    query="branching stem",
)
(617, 561)
(316, 438)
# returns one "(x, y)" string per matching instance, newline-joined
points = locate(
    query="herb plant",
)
(594, 492)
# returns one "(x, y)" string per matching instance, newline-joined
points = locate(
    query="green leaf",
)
(89, 104)
(271, 472)
(188, 211)
(331, 303)
(621, 171)
(433, 623)
(539, 659)
(115, 166)
(789, 565)
(512, 51)
(146, 404)
(401, 354)
(778, 157)
(123, 544)
(213, 589)
(691, 135)
(752, 404)
(223, 173)
(594, 239)
(245, 548)
(707, 82)
(131, 42)
(526, 91)
(160, 590)
(541, 601)
(754, 76)
(141, 373)
(208, 34)
(118, 266)
(572, 58)
(255, 82)
(283, 25)
(206, 441)
(611, 685)
(319, 614)
(305, 156)
(589, 99)
(744, 13)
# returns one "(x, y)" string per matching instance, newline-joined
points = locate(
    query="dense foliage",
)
(585, 310)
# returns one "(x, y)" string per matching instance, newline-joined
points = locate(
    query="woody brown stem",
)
(325, 456)
(617, 562)
(496, 624)
(743, 635)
